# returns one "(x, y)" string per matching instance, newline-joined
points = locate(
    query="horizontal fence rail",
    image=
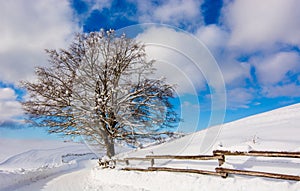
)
(223, 174)
(217, 155)
(140, 159)
(256, 173)
(196, 171)
(258, 153)
(182, 157)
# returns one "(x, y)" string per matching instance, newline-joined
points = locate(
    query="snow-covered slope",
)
(277, 130)
(24, 162)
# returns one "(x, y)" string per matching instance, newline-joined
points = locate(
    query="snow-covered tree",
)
(101, 87)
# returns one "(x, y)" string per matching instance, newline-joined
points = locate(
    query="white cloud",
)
(171, 11)
(28, 27)
(182, 59)
(9, 107)
(275, 68)
(7, 94)
(98, 4)
(176, 10)
(216, 39)
(92, 5)
(239, 98)
(288, 90)
(185, 61)
(235, 73)
(259, 25)
(276, 72)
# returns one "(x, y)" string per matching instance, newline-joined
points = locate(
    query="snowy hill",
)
(24, 161)
(32, 165)
(277, 130)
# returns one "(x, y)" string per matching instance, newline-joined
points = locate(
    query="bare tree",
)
(100, 87)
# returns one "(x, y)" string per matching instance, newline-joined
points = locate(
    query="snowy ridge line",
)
(74, 156)
(30, 151)
(220, 156)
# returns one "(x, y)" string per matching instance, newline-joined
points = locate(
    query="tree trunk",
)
(108, 141)
(110, 147)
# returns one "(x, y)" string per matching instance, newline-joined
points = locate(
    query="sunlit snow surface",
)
(51, 165)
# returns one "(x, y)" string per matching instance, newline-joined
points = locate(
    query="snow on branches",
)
(101, 87)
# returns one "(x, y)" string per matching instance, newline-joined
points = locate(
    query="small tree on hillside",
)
(100, 88)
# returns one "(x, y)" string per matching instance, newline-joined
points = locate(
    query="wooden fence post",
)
(152, 162)
(221, 160)
(220, 156)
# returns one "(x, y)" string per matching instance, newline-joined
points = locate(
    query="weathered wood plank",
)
(126, 160)
(137, 158)
(135, 169)
(185, 157)
(258, 153)
(257, 173)
(223, 174)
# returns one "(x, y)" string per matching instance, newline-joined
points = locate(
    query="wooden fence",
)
(219, 155)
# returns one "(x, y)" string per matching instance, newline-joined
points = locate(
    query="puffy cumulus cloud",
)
(277, 68)
(239, 97)
(173, 12)
(28, 27)
(171, 62)
(9, 107)
(7, 94)
(287, 90)
(278, 74)
(182, 59)
(235, 73)
(177, 10)
(185, 61)
(257, 25)
(216, 39)
(255, 31)
(98, 4)
(85, 8)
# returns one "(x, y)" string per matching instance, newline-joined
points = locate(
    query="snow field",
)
(41, 165)
(36, 164)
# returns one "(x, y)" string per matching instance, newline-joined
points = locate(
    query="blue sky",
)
(256, 45)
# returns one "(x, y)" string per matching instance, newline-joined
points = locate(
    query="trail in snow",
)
(76, 179)
(73, 179)
(31, 161)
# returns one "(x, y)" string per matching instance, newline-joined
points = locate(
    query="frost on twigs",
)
(100, 87)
